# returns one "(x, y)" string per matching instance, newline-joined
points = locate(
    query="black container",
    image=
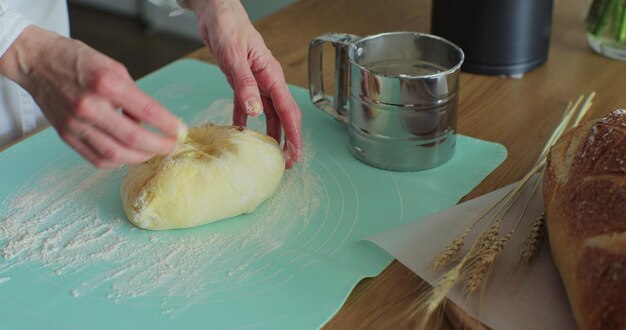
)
(499, 37)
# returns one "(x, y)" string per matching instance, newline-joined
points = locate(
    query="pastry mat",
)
(69, 259)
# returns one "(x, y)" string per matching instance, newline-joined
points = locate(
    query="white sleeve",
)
(177, 5)
(11, 25)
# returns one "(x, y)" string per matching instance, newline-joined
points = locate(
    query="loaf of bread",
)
(585, 199)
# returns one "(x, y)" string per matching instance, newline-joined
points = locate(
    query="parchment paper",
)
(515, 297)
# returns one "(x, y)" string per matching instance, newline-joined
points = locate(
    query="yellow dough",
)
(216, 172)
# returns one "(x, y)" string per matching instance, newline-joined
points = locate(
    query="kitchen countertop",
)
(519, 113)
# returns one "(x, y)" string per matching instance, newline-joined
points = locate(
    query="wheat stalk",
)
(487, 237)
(477, 273)
(490, 236)
(533, 240)
(536, 231)
(451, 251)
(474, 266)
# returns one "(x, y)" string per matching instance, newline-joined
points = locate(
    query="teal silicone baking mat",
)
(69, 259)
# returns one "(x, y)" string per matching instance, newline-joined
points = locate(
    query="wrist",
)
(194, 5)
(15, 64)
(184, 4)
(212, 6)
(19, 61)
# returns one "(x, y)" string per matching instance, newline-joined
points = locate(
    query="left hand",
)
(254, 74)
(80, 90)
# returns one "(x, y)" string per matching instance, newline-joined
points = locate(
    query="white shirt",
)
(19, 114)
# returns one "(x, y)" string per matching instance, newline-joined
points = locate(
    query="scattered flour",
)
(70, 221)
(220, 112)
(4, 279)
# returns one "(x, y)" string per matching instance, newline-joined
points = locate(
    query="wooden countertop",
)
(519, 113)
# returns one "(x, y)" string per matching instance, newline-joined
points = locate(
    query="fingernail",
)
(286, 156)
(294, 153)
(254, 107)
(181, 132)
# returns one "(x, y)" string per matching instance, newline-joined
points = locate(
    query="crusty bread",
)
(585, 197)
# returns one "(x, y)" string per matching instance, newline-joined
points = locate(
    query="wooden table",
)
(519, 113)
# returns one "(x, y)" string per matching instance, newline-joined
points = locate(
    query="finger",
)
(240, 117)
(287, 151)
(125, 94)
(64, 128)
(285, 106)
(245, 85)
(290, 117)
(272, 121)
(136, 137)
(130, 116)
(86, 152)
(107, 148)
(124, 128)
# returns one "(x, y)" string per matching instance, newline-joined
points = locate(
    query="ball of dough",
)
(217, 172)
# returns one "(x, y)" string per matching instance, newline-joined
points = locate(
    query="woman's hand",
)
(80, 91)
(254, 74)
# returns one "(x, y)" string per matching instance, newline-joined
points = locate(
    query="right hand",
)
(80, 91)
(254, 73)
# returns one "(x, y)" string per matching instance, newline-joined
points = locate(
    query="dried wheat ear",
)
(471, 269)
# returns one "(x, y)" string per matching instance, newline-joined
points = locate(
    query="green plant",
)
(607, 18)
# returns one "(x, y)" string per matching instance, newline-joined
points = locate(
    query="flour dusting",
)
(220, 112)
(70, 221)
